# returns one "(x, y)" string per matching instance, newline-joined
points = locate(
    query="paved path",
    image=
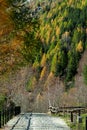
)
(36, 122)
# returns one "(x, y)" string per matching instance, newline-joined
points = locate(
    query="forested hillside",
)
(41, 45)
(63, 33)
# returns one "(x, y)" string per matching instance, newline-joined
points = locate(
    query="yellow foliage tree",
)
(50, 80)
(79, 47)
(5, 21)
(57, 31)
(43, 72)
(43, 61)
(35, 64)
(49, 15)
(48, 37)
(53, 39)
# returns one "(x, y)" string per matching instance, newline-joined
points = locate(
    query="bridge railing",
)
(8, 113)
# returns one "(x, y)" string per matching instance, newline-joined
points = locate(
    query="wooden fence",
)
(78, 110)
(74, 115)
(8, 113)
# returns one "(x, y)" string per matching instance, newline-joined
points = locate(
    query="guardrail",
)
(8, 113)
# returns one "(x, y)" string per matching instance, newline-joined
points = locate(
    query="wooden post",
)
(71, 116)
(79, 116)
(0, 119)
(86, 123)
(79, 112)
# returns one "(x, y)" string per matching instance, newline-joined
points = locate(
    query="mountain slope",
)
(63, 33)
(46, 43)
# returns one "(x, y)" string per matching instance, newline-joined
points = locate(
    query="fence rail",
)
(8, 113)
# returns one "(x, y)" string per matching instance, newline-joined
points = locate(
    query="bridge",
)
(12, 119)
(36, 121)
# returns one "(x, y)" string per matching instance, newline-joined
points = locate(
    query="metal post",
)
(0, 119)
(3, 117)
(7, 115)
(10, 112)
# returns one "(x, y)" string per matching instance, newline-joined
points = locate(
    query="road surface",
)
(36, 121)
